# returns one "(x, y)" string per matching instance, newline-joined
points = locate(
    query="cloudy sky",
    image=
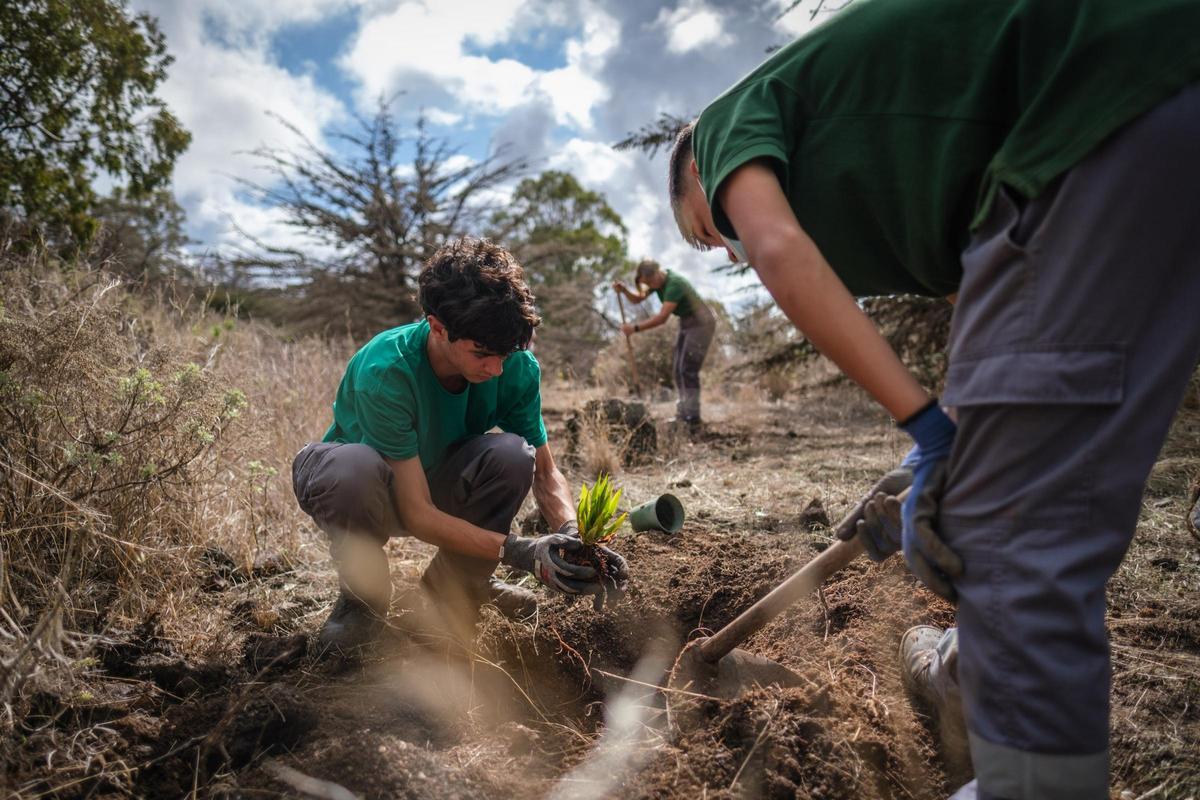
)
(556, 81)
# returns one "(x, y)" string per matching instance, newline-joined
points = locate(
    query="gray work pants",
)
(1076, 330)
(347, 490)
(691, 348)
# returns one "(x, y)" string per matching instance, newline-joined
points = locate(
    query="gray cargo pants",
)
(347, 490)
(1076, 330)
(691, 348)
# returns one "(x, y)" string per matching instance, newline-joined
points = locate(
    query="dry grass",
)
(601, 446)
(135, 433)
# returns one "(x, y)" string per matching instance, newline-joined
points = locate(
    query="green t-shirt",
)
(391, 399)
(678, 290)
(892, 125)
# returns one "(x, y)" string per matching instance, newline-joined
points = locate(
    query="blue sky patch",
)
(544, 49)
(314, 48)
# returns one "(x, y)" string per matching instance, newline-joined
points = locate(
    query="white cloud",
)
(222, 93)
(593, 163)
(428, 47)
(439, 116)
(693, 25)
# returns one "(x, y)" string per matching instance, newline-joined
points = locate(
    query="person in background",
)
(696, 326)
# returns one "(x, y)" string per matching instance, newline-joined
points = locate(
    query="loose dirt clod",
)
(814, 517)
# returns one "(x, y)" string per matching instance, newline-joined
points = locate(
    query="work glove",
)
(935, 564)
(612, 585)
(876, 520)
(880, 526)
(542, 556)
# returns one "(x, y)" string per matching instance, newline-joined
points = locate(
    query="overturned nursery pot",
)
(664, 513)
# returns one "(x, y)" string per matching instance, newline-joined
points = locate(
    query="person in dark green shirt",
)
(1037, 162)
(697, 323)
(411, 452)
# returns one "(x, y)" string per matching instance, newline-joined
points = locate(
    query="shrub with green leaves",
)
(596, 512)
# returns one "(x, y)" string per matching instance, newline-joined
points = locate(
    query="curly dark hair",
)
(477, 289)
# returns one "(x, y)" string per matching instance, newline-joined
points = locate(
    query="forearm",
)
(818, 303)
(808, 291)
(553, 498)
(430, 524)
(550, 489)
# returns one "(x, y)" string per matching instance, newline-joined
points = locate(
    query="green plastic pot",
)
(663, 513)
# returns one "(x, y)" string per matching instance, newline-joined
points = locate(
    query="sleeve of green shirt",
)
(386, 421)
(522, 413)
(757, 120)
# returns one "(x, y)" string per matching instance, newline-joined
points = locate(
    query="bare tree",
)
(372, 206)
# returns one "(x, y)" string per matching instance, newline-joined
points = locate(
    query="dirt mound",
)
(625, 428)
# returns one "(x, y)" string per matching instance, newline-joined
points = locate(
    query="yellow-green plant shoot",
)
(596, 510)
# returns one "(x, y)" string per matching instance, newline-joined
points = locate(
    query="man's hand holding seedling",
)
(574, 560)
(613, 577)
(546, 558)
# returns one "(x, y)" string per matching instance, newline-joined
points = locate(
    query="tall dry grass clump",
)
(136, 432)
(599, 451)
(103, 440)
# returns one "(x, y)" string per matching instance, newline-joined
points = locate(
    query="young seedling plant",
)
(596, 515)
(596, 512)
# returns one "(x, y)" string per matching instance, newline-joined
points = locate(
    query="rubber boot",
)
(514, 602)
(929, 659)
(357, 618)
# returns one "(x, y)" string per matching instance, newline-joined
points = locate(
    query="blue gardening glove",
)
(927, 555)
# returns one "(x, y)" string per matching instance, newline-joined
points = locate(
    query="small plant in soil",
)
(596, 514)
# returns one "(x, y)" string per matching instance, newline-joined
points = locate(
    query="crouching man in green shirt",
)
(409, 453)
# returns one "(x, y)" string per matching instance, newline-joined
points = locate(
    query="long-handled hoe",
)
(714, 666)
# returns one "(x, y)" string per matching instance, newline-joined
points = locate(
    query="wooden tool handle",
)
(808, 578)
(637, 390)
(803, 582)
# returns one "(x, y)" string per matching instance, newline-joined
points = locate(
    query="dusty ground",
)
(564, 706)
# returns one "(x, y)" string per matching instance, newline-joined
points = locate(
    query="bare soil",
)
(567, 704)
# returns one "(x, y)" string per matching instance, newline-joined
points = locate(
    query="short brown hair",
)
(681, 156)
(677, 178)
(645, 268)
(477, 290)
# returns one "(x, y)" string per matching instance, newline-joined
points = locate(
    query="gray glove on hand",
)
(610, 586)
(876, 520)
(540, 555)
